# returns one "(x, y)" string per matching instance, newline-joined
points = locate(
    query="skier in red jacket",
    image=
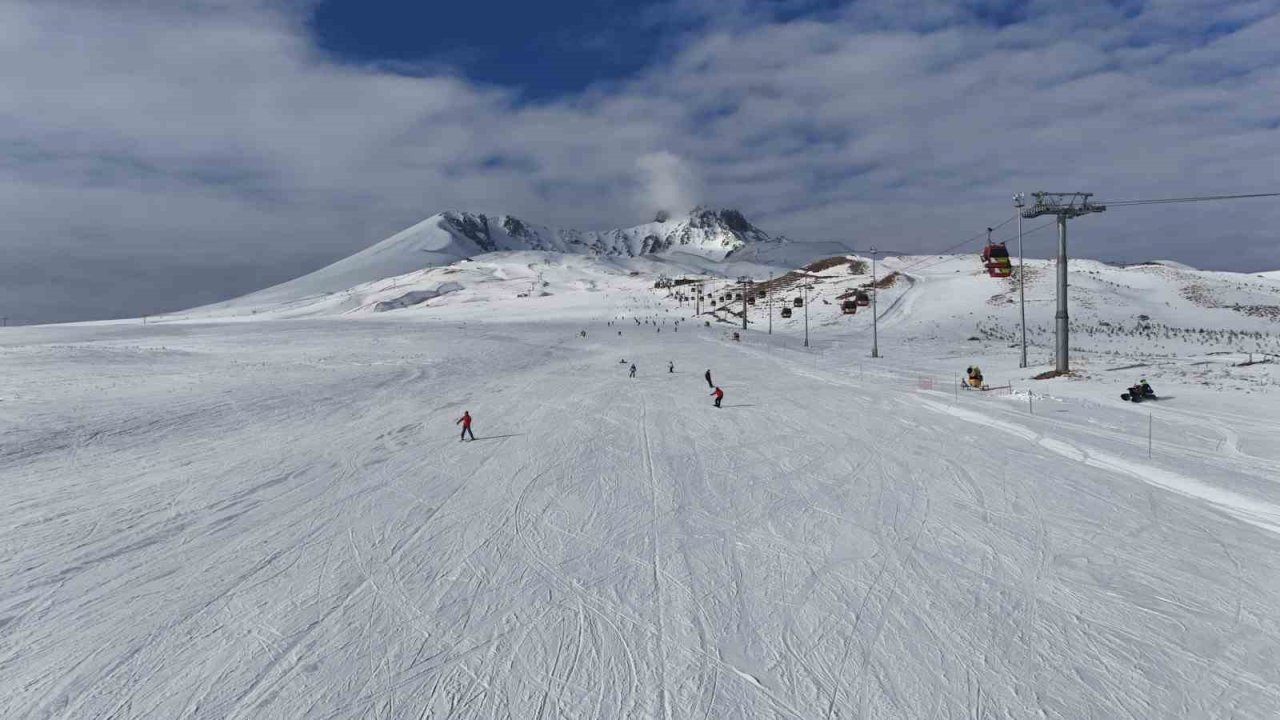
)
(719, 395)
(465, 421)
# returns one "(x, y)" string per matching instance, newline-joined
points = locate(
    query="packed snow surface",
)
(263, 509)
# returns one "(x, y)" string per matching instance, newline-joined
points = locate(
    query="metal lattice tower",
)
(1064, 206)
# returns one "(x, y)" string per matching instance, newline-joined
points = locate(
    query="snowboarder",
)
(633, 369)
(719, 395)
(465, 421)
(708, 377)
(671, 367)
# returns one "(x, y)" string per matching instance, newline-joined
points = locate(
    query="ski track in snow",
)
(278, 520)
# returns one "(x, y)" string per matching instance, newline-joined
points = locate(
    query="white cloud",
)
(210, 141)
(670, 184)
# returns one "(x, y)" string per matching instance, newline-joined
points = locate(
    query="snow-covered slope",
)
(213, 516)
(277, 520)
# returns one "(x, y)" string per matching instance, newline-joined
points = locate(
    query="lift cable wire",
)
(931, 261)
(1202, 198)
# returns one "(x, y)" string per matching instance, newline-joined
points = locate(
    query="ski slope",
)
(256, 517)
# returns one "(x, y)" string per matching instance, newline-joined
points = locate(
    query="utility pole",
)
(1064, 206)
(768, 293)
(745, 284)
(698, 303)
(875, 315)
(806, 314)
(1019, 200)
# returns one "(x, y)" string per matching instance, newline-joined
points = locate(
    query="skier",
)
(719, 395)
(633, 369)
(708, 377)
(465, 421)
(671, 367)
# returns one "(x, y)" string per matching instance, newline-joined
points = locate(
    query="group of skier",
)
(716, 392)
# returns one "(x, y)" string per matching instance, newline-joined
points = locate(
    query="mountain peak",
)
(453, 235)
(728, 218)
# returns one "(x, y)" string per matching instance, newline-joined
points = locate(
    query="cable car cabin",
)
(996, 259)
(862, 298)
(751, 301)
(760, 295)
(849, 307)
(798, 302)
(713, 303)
(786, 312)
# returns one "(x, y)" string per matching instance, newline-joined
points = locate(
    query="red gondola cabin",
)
(996, 259)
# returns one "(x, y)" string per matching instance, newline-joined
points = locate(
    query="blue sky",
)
(215, 146)
(541, 50)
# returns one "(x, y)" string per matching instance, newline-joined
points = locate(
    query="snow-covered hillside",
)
(448, 237)
(262, 509)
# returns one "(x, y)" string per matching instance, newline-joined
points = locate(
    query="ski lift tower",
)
(746, 283)
(1064, 206)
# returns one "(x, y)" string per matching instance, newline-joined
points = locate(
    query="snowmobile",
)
(1138, 393)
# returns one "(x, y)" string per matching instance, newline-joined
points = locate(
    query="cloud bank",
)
(155, 156)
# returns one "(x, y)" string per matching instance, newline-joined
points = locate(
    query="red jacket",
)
(718, 393)
(465, 420)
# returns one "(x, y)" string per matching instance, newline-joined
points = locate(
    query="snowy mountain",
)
(447, 237)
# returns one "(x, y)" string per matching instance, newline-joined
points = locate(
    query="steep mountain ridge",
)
(714, 233)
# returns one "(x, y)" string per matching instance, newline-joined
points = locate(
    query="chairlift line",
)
(927, 263)
(1202, 198)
